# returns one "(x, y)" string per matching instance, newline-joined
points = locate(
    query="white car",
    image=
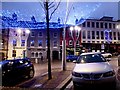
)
(93, 68)
(106, 55)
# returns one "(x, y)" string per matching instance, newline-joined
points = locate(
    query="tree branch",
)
(54, 10)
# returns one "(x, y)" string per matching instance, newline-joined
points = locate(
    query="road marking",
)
(37, 85)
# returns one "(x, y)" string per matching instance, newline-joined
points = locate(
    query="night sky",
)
(78, 10)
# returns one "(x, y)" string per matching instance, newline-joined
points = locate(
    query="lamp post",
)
(76, 36)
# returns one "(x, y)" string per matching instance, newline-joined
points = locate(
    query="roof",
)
(90, 53)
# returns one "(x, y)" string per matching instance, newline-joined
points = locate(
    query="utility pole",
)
(48, 41)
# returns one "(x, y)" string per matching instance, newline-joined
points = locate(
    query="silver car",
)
(93, 68)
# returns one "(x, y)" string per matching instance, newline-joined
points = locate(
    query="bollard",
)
(118, 60)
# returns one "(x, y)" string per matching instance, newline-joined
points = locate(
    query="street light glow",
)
(71, 28)
(27, 31)
(118, 26)
(19, 30)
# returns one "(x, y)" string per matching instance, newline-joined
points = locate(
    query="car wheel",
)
(31, 74)
(109, 56)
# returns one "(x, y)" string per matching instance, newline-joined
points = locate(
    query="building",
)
(96, 35)
(33, 44)
(4, 44)
(37, 44)
(17, 43)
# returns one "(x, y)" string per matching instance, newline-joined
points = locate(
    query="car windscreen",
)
(91, 58)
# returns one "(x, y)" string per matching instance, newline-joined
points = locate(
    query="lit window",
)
(14, 53)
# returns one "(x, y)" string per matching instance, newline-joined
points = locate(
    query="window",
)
(32, 43)
(22, 42)
(46, 42)
(39, 42)
(93, 34)
(40, 34)
(106, 25)
(14, 33)
(101, 24)
(70, 42)
(54, 35)
(14, 42)
(88, 34)
(110, 35)
(113, 26)
(97, 34)
(84, 34)
(32, 54)
(36, 54)
(97, 24)
(114, 34)
(88, 24)
(23, 33)
(102, 35)
(32, 34)
(14, 53)
(84, 24)
(55, 43)
(110, 25)
(93, 24)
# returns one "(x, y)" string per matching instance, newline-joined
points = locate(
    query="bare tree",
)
(47, 5)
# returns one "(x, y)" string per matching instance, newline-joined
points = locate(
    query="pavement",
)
(59, 80)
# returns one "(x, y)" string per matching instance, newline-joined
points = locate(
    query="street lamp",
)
(75, 37)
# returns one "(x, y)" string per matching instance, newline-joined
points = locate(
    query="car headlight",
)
(76, 74)
(108, 74)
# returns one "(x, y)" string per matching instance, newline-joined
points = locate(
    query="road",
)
(114, 64)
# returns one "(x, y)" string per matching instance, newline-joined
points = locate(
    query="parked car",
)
(71, 58)
(16, 69)
(93, 69)
(106, 55)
